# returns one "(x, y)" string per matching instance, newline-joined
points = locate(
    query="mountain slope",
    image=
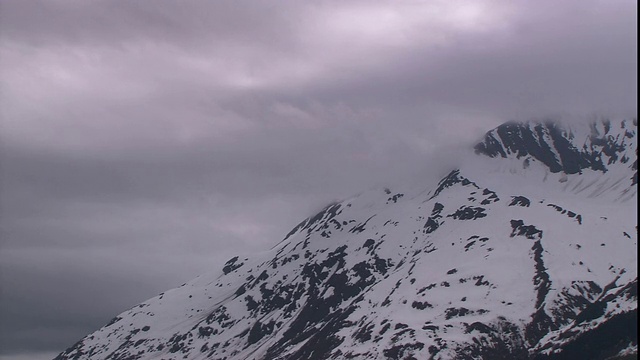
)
(527, 251)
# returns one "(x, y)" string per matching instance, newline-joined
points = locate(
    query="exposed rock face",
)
(471, 268)
(559, 148)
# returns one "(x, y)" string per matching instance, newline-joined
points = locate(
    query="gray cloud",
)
(142, 145)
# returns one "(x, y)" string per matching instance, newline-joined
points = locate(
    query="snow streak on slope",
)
(529, 253)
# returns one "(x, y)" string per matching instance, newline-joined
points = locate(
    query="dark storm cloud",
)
(143, 144)
(112, 23)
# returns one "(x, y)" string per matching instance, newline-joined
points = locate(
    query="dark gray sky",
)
(144, 143)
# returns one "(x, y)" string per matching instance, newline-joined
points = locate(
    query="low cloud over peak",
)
(144, 143)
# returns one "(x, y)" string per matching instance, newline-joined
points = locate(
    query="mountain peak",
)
(564, 147)
(468, 269)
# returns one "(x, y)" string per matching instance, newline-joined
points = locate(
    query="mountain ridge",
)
(527, 252)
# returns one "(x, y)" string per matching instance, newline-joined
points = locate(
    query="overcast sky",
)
(146, 142)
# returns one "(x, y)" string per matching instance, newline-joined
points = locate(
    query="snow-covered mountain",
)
(527, 251)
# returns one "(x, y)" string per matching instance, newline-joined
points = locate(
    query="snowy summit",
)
(528, 251)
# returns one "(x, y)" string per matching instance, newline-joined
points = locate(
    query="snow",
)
(422, 287)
